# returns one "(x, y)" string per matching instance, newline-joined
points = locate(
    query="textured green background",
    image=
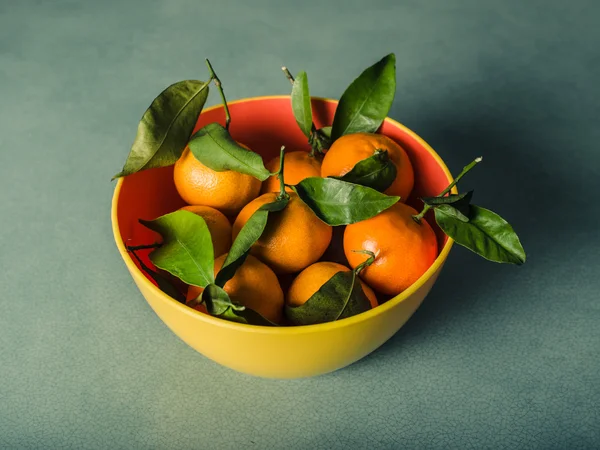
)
(497, 357)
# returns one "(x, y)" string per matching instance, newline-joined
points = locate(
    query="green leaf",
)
(340, 297)
(450, 210)
(326, 131)
(377, 172)
(217, 301)
(248, 235)
(301, 103)
(458, 201)
(367, 101)
(338, 202)
(214, 147)
(486, 233)
(219, 304)
(166, 127)
(187, 250)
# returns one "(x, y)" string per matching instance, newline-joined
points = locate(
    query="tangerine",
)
(316, 275)
(350, 149)
(228, 191)
(254, 286)
(404, 249)
(294, 237)
(298, 166)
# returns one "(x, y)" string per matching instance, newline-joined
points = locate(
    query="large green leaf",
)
(187, 250)
(338, 202)
(166, 127)
(486, 233)
(377, 172)
(340, 297)
(214, 147)
(248, 235)
(301, 103)
(219, 304)
(367, 101)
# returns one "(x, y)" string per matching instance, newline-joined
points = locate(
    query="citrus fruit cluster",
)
(252, 244)
(295, 239)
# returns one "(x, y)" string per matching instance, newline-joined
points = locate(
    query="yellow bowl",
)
(266, 123)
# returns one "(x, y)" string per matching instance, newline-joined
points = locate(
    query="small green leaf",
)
(377, 172)
(338, 202)
(166, 127)
(458, 201)
(187, 250)
(340, 297)
(326, 131)
(248, 235)
(217, 301)
(214, 147)
(367, 101)
(301, 103)
(486, 233)
(219, 304)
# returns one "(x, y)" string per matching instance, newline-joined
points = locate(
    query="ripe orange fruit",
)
(352, 148)
(254, 285)
(298, 166)
(293, 239)
(218, 225)
(404, 249)
(227, 191)
(316, 275)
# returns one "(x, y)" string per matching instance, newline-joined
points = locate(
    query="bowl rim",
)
(139, 277)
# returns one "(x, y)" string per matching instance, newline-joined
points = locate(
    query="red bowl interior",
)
(264, 124)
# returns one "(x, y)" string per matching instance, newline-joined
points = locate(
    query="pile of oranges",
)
(286, 265)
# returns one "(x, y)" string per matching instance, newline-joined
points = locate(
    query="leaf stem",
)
(465, 170)
(219, 86)
(367, 262)
(288, 75)
(282, 192)
(133, 248)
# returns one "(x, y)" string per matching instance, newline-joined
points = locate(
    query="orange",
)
(316, 275)
(218, 225)
(254, 286)
(404, 249)
(297, 166)
(352, 148)
(293, 239)
(227, 191)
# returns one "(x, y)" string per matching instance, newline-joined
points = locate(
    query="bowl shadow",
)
(515, 181)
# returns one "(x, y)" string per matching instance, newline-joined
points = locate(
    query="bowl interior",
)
(264, 124)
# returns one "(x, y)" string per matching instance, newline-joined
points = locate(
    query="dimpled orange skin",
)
(348, 150)
(254, 285)
(316, 275)
(404, 249)
(218, 225)
(297, 166)
(293, 239)
(227, 191)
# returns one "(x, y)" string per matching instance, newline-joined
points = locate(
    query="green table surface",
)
(496, 357)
